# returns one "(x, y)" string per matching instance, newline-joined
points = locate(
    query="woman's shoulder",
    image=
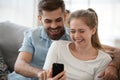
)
(104, 54)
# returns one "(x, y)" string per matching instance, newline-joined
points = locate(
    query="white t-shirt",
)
(76, 69)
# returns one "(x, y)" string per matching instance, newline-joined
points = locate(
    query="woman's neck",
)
(84, 53)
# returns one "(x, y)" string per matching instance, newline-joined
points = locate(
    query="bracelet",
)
(112, 65)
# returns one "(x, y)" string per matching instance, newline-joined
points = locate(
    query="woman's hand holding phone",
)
(56, 73)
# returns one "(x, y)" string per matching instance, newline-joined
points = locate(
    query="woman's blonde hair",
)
(90, 17)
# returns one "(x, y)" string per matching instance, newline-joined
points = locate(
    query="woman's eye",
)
(72, 31)
(82, 31)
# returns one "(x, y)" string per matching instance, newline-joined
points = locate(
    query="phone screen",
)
(57, 68)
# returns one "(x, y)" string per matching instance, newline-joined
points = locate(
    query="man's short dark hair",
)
(50, 5)
(68, 11)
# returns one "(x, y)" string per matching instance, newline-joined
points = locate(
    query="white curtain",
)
(22, 12)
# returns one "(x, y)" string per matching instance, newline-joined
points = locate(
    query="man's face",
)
(53, 22)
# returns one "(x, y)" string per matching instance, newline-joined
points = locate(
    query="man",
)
(37, 42)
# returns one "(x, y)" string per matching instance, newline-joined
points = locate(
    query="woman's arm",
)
(51, 56)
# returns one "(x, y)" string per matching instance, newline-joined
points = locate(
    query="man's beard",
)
(58, 35)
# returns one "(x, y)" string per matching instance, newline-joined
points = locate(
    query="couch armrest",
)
(11, 37)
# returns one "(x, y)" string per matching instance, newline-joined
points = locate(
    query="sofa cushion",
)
(11, 36)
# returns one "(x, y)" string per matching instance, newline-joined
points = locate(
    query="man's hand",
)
(110, 73)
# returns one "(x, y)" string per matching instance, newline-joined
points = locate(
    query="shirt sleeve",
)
(52, 56)
(27, 42)
(104, 62)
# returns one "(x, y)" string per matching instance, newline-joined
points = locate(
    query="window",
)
(22, 12)
(108, 14)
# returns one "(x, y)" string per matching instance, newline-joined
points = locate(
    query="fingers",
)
(63, 77)
(60, 76)
(42, 75)
(108, 77)
(101, 74)
(110, 73)
(49, 75)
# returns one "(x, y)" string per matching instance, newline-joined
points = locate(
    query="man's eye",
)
(59, 20)
(48, 21)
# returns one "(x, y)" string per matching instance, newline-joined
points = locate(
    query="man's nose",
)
(54, 24)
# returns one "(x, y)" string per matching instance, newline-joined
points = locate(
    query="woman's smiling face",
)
(80, 33)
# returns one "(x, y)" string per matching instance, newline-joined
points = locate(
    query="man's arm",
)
(115, 52)
(23, 67)
(111, 71)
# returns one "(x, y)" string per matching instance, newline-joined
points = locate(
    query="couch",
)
(11, 37)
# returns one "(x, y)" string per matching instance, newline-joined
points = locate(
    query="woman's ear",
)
(93, 30)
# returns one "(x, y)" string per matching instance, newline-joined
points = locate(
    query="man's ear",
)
(65, 15)
(40, 19)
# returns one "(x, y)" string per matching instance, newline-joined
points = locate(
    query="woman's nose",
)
(77, 34)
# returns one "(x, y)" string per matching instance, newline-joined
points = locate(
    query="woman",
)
(83, 57)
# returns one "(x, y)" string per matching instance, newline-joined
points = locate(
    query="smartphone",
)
(57, 68)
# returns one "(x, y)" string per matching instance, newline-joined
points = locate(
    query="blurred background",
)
(24, 12)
